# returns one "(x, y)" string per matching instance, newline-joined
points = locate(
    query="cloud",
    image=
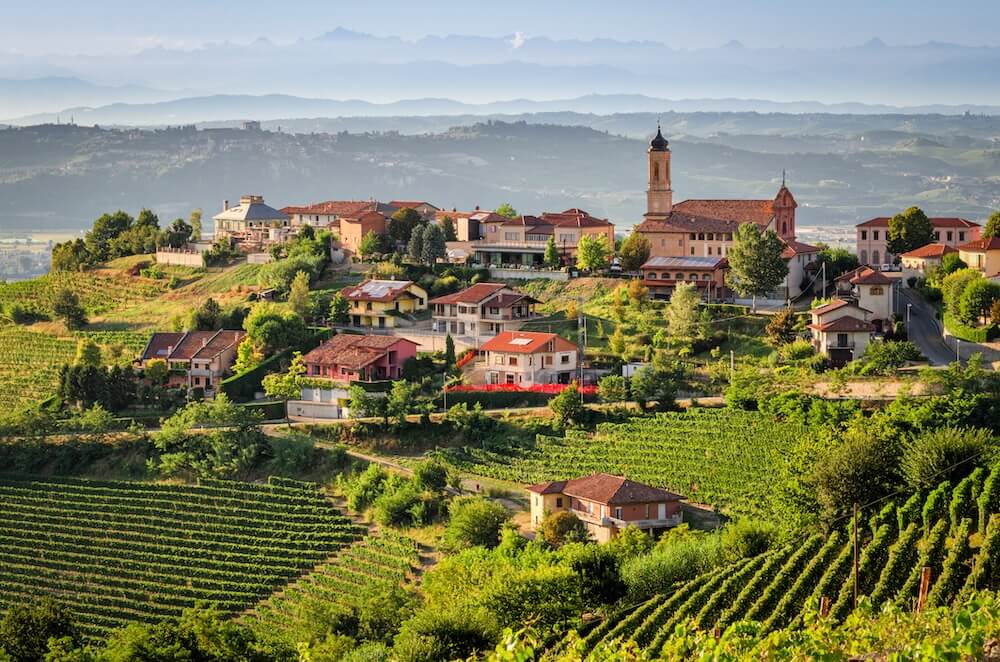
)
(518, 40)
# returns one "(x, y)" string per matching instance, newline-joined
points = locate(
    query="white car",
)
(888, 267)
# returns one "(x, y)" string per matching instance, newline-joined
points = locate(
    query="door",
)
(661, 511)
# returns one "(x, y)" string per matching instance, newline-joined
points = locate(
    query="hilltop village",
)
(389, 430)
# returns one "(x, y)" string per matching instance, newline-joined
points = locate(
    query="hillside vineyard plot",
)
(954, 530)
(115, 552)
(722, 457)
(98, 293)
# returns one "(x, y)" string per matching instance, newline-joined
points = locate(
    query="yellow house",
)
(982, 255)
(379, 303)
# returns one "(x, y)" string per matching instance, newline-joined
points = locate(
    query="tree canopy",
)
(909, 230)
(634, 251)
(755, 263)
(592, 252)
(506, 210)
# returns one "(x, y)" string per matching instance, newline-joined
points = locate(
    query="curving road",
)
(925, 331)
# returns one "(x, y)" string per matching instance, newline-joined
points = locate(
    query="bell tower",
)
(659, 195)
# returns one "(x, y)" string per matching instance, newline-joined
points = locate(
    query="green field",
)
(115, 552)
(99, 292)
(722, 457)
(779, 587)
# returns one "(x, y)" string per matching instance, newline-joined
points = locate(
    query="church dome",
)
(658, 143)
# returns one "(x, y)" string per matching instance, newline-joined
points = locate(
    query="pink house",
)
(346, 358)
(872, 237)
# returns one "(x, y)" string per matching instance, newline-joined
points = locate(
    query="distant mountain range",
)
(273, 107)
(475, 70)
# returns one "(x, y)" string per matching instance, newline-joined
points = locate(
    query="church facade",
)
(707, 228)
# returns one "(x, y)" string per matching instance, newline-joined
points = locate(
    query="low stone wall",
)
(258, 258)
(527, 274)
(179, 258)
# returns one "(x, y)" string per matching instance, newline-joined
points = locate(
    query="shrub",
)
(444, 634)
(862, 468)
(562, 526)
(945, 454)
(745, 538)
(881, 358)
(612, 388)
(796, 350)
(568, 405)
(474, 521)
(431, 475)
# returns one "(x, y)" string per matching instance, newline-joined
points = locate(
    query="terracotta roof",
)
(219, 343)
(871, 277)
(509, 299)
(844, 324)
(473, 294)
(526, 342)
(364, 216)
(738, 211)
(683, 222)
(377, 290)
(936, 221)
(930, 250)
(793, 248)
(834, 305)
(574, 218)
(606, 489)
(191, 344)
(848, 275)
(478, 215)
(352, 351)
(987, 244)
(340, 207)
(159, 345)
(663, 262)
(412, 204)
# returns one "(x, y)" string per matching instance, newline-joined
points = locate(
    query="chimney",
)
(477, 207)
(225, 205)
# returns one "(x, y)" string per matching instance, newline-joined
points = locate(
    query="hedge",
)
(245, 385)
(968, 333)
(501, 399)
(270, 411)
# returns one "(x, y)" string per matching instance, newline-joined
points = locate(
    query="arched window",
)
(706, 277)
(875, 258)
(784, 228)
(656, 172)
(694, 276)
(864, 257)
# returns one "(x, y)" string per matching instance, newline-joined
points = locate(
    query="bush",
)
(431, 475)
(745, 538)
(797, 350)
(861, 469)
(444, 634)
(612, 388)
(967, 333)
(882, 358)
(932, 456)
(675, 558)
(561, 527)
(474, 521)
(568, 405)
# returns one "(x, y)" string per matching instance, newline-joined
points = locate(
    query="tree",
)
(909, 230)
(755, 263)
(592, 252)
(87, 353)
(448, 229)
(945, 454)
(684, 320)
(431, 475)
(617, 344)
(561, 527)
(951, 263)
(650, 384)
(449, 352)
(837, 260)
(207, 316)
(612, 388)
(364, 404)
(71, 256)
(286, 385)
(551, 259)
(156, 371)
(474, 522)
(298, 294)
(401, 402)
(248, 357)
(402, 223)
(194, 220)
(26, 629)
(635, 251)
(977, 300)
(506, 210)
(953, 287)
(567, 405)
(272, 329)
(862, 468)
(434, 248)
(279, 274)
(637, 293)
(340, 309)
(415, 248)
(371, 245)
(178, 234)
(66, 306)
(781, 327)
(106, 228)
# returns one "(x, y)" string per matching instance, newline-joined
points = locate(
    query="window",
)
(961, 236)
(711, 236)
(864, 235)
(692, 250)
(694, 276)
(701, 236)
(564, 359)
(663, 243)
(841, 340)
(949, 235)
(693, 236)
(498, 360)
(559, 502)
(875, 235)
(548, 360)
(510, 236)
(709, 250)
(877, 291)
(512, 361)
(937, 235)
(706, 277)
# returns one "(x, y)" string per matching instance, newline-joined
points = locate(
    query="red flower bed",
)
(465, 358)
(514, 388)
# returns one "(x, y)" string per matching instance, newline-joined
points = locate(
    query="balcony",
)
(673, 520)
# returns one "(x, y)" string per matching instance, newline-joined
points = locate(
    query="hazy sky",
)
(102, 26)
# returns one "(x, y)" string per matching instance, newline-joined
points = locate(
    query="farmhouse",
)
(607, 504)
(707, 228)
(484, 309)
(525, 358)
(252, 224)
(196, 359)
(841, 330)
(661, 274)
(872, 237)
(348, 357)
(379, 303)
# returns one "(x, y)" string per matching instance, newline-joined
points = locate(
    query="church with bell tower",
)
(706, 228)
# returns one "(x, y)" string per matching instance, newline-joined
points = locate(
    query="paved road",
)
(925, 331)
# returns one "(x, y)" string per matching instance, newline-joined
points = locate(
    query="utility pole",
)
(823, 267)
(855, 555)
(581, 338)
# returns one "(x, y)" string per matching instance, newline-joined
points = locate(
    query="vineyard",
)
(723, 457)
(955, 531)
(367, 567)
(99, 293)
(116, 552)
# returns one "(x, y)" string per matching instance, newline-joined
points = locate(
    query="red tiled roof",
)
(335, 207)
(370, 215)
(738, 211)
(793, 248)
(930, 250)
(159, 346)
(987, 244)
(844, 324)
(848, 275)
(352, 351)
(525, 342)
(473, 294)
(219, 343)
(190, 344)
(683, 222)
(936, 221)
(871, 277)
(606, 489)
(412, 204)
(376, 290)
(834, 305)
